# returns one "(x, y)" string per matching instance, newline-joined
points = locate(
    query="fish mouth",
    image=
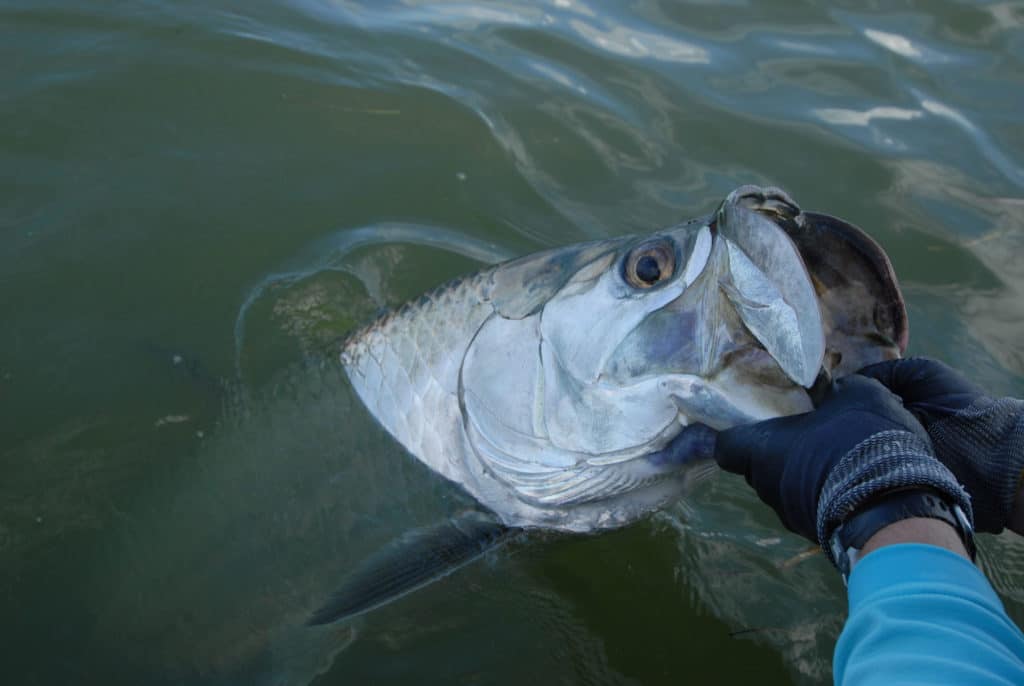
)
(700, 403)
(758, 365)
(719, 402)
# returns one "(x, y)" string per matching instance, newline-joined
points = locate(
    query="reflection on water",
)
(196, 202)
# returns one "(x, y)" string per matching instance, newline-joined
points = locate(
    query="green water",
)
(176, 497)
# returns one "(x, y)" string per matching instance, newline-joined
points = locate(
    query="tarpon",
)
(577, 389)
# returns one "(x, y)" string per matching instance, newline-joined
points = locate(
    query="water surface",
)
(179, 489)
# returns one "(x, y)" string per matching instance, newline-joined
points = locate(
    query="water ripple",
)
(159, 159)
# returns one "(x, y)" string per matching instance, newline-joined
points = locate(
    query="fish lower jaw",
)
(728, 401)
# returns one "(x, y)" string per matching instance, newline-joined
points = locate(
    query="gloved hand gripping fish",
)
(579, 388)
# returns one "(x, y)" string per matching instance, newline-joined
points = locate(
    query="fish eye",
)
(649, 264)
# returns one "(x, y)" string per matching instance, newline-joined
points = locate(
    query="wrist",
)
(917, 530)
(879, 468)
(872, 525)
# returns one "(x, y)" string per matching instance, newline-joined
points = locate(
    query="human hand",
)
(930, 389)
(981, 440)
(816, 469)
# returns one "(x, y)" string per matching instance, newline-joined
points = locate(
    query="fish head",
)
(695, 324)
(571, 388)
(738, 335)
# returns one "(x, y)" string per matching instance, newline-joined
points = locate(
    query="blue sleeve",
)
(920, 614)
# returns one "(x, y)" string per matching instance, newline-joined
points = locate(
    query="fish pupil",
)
(647, 269)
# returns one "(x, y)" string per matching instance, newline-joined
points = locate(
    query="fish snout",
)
(770, 201)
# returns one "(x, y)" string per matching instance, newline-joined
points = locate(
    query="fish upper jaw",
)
(768, 283)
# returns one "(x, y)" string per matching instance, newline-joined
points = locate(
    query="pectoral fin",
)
(412, 561)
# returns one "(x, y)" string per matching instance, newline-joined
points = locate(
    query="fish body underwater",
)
(578, 388)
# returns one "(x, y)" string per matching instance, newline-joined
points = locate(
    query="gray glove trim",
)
(984, 444)
(887, 461)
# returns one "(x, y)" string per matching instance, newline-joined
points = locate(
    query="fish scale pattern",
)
(405, 368)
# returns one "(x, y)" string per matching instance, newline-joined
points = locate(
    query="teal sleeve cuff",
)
(922, 614)
(906, 566)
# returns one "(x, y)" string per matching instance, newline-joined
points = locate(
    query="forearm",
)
(921, 614)
(916, 530)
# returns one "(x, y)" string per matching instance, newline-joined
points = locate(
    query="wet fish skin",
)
(544, 385)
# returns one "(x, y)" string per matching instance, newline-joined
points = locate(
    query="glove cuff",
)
(887, 461)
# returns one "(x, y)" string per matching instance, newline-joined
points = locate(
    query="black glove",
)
(980, 439)
(816, 469)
